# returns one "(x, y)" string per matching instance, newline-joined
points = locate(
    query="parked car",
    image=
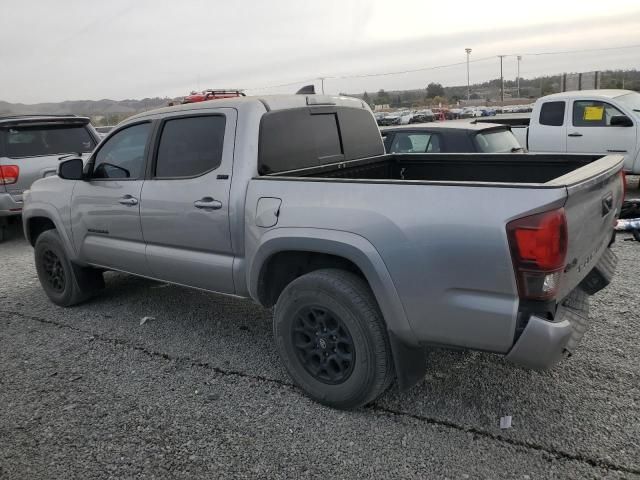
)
(587, 121)
(30, 148)
(450, 137)
(367, 257)
(454, 114)
(470, 112)
(423, 116)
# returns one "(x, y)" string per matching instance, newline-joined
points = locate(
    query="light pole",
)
(501, 81)
(519, 58)
(322, 83)
(468, 50)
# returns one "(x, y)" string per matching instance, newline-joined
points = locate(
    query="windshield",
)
(631, 101)
(501, 141)
(46, 140)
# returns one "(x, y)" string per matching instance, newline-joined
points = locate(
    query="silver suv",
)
(30, 148)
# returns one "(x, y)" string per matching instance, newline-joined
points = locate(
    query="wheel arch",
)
(40, 218)
(282, 252)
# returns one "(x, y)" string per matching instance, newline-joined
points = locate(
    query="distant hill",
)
(101, 112)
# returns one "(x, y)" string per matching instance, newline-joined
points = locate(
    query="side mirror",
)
(71, 169)
(621, 121)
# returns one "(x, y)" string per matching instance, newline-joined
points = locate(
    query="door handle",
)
(208, 203)
(575, 134)
(128, 200)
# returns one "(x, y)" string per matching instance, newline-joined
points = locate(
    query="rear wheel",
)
(332, 339)
(64, 283)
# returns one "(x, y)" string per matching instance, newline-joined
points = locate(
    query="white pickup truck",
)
(586, 121)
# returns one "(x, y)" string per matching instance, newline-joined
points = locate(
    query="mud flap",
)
(410, 362)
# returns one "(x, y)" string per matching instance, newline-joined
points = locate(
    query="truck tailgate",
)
(594, 198)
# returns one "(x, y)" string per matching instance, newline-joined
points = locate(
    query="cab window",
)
(190, 146)
(593, 113)
(122, 155)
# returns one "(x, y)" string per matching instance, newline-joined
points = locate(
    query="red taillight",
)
(538, 249)
(9, 174)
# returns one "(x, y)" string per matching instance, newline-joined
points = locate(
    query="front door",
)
(591, 130)
(185, 202)
(105, 210)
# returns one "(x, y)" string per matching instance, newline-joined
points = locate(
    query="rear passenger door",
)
(548, 132)
(185, 201)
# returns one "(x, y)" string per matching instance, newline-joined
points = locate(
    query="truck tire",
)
(64, 283)
(332, 339)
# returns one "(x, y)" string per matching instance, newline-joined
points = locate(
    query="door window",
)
(122, 155)
(190, 146)
(423, 142)
(552, 114)
(592, 113)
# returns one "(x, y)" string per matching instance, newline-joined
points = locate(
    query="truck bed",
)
(536, 169)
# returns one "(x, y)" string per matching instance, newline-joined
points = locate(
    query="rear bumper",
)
(9, 206)
(544, 343)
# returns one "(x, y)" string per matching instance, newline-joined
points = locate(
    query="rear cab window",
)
(35, 141)
(313, 136)
(497, 141)
(552, 114)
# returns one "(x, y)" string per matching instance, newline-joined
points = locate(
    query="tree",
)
(382, 98)
(366, 98)
(435, 90)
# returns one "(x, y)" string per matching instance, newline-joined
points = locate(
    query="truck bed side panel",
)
(445, 247)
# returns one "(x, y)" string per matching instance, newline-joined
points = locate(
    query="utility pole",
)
(501, 57)
(322, 83)
(519, 58)
(468, 50)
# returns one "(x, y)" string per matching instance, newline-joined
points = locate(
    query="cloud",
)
(71, 49)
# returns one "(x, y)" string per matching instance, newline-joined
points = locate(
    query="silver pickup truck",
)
(368, 258)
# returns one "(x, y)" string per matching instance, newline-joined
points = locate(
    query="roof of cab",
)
(610, 93)
(270, 102)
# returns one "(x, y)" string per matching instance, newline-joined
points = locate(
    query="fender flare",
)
(350, 246)
(48, 211)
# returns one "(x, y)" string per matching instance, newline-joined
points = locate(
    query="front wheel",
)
(64, 283)
(332, 339)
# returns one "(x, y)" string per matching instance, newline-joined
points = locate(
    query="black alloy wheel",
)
(54, 271)
(323, 344)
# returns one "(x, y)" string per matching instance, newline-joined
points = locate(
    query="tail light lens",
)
(538, 250)
(9, 174)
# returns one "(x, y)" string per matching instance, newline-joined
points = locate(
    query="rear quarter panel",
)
(444, 246)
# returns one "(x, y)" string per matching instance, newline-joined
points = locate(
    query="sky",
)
(89, 49)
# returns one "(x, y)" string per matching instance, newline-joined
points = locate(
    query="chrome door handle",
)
(128, 200)
(575, 134)
(208, 203)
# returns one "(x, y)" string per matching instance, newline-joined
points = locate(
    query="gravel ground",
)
(198, 392)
